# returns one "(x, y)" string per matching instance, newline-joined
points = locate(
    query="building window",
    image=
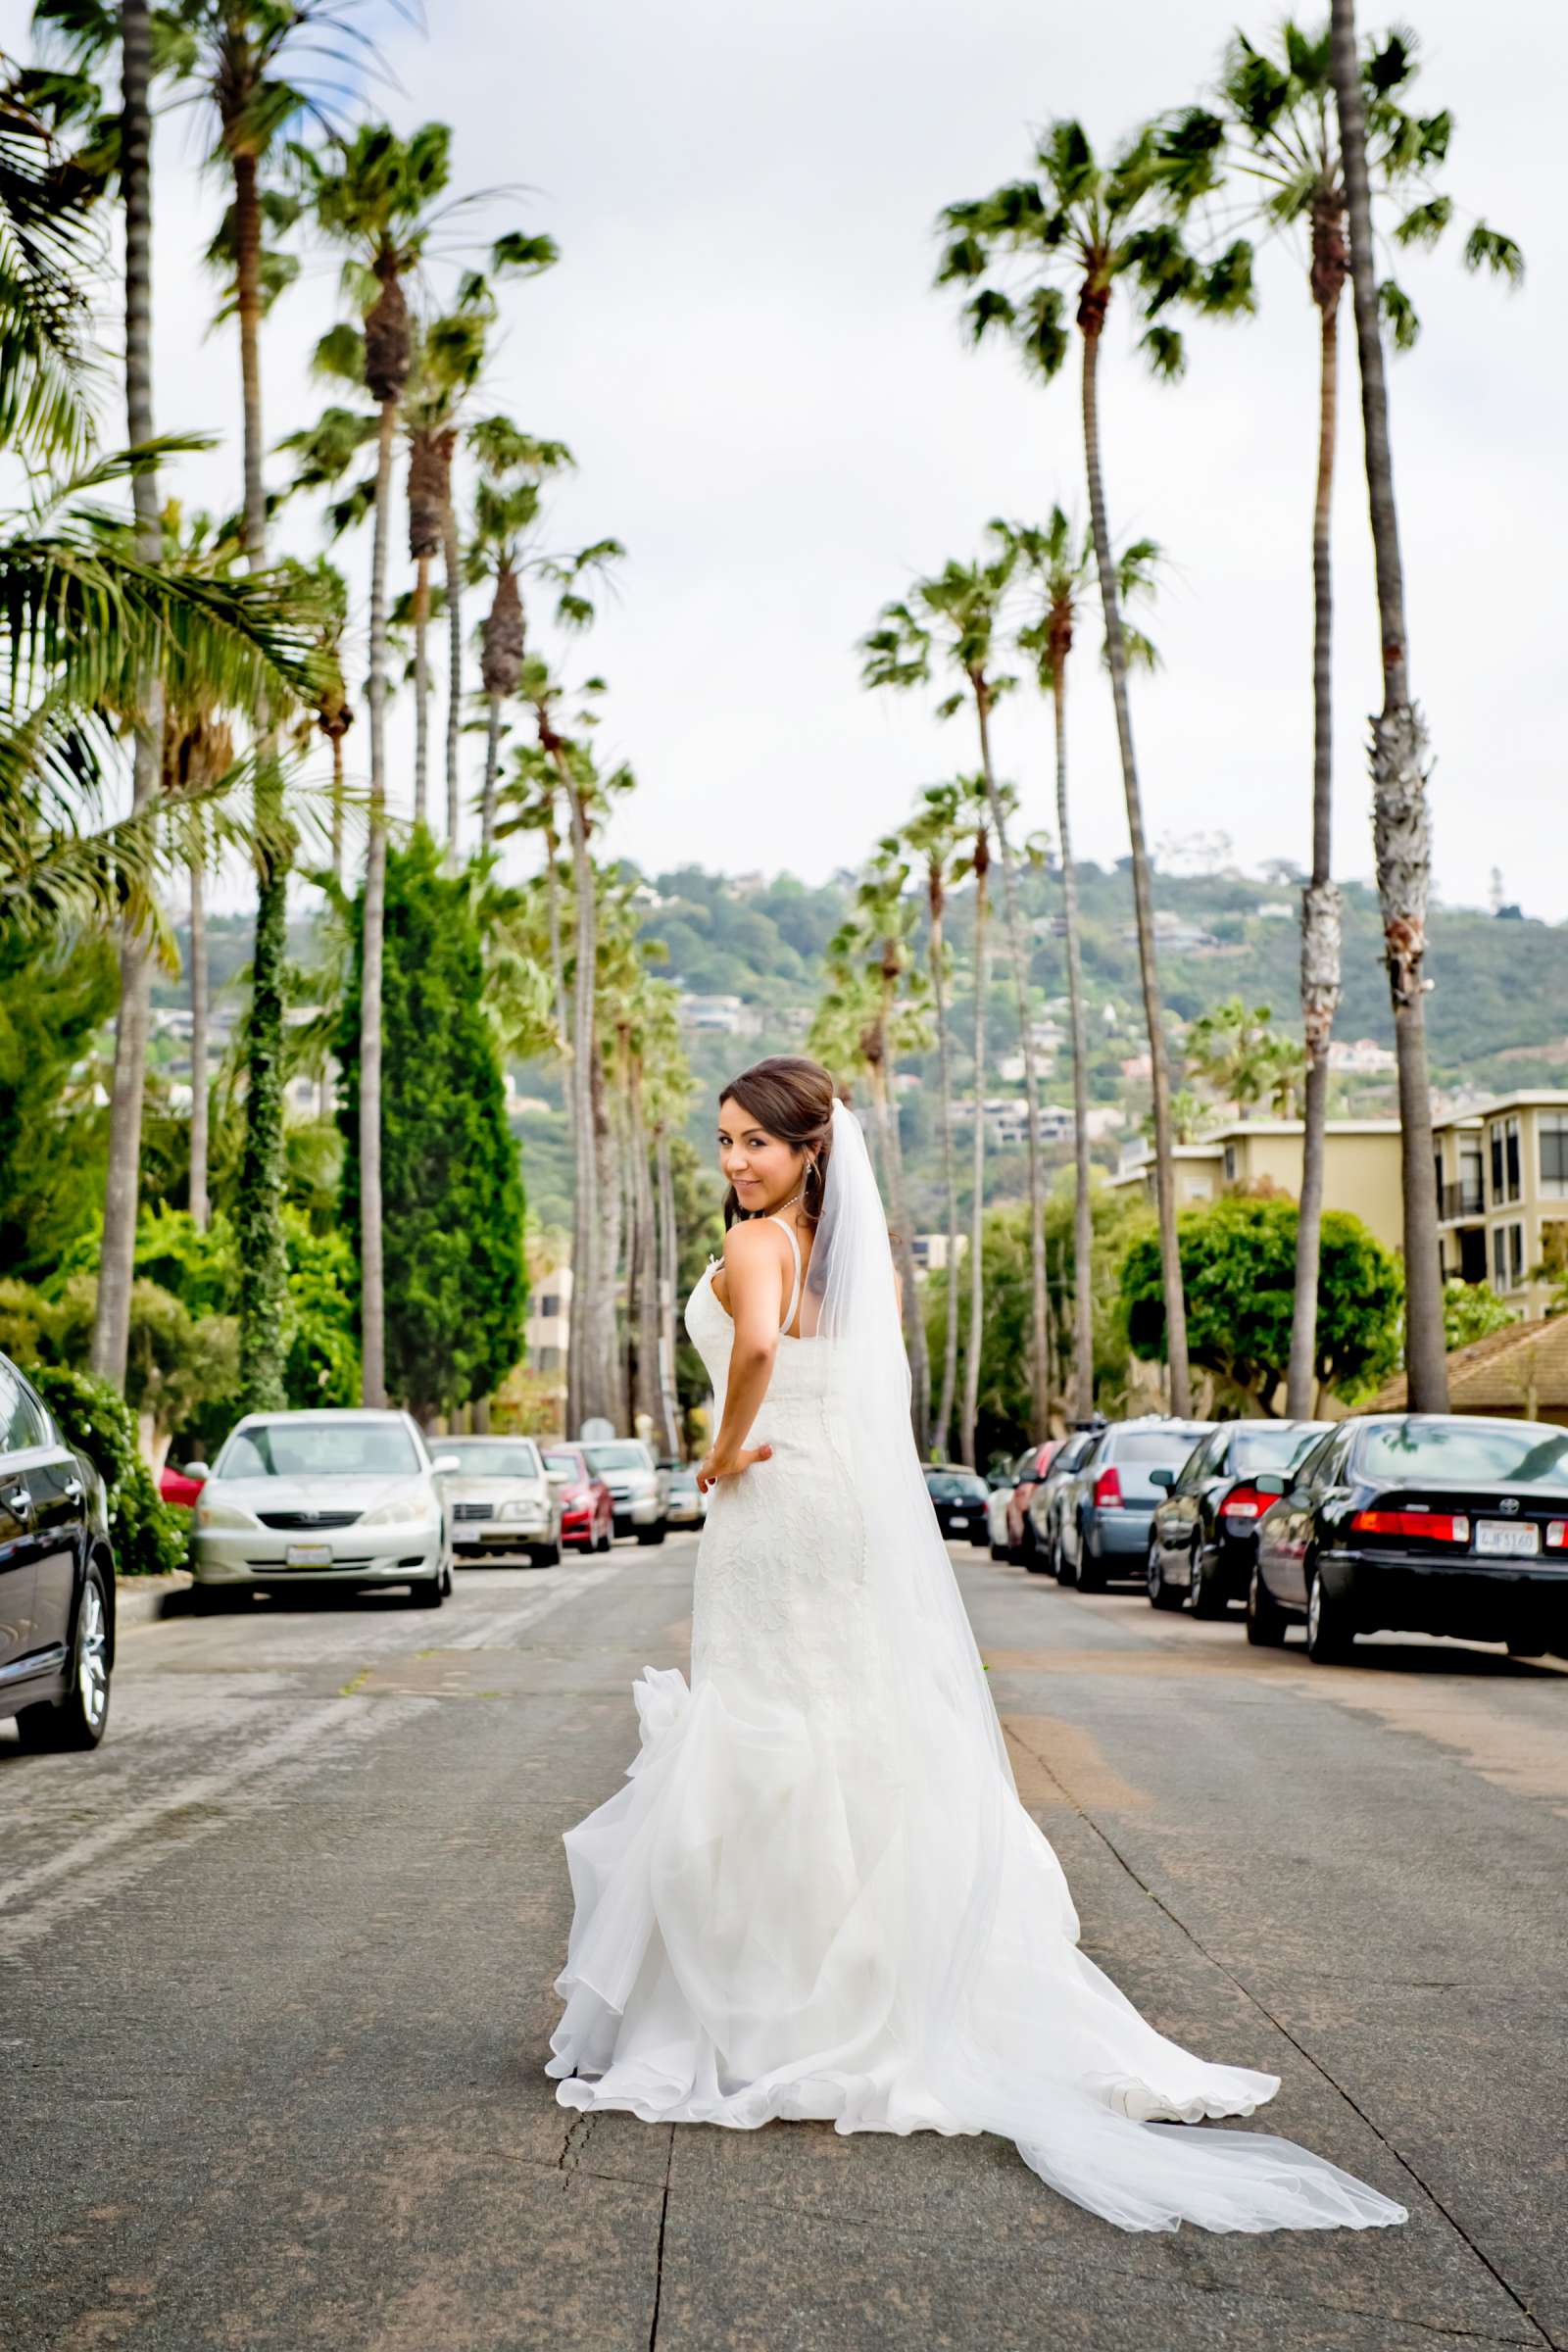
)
(1500, 1259)
(1229, 1164)
(1516, 1258)
(1505, 1161)
(1472, 1193)
(1554, 1128)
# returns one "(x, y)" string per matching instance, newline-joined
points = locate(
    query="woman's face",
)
(764, 1169)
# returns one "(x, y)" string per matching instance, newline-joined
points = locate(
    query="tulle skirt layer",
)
(767, 1919)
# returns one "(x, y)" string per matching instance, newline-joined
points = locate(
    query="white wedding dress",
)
(817, 1894)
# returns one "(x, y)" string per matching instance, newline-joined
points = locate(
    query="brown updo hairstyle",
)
(791, 1098)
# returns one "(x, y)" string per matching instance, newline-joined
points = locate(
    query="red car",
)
(1028, 1471)
(177, 1487)
(587, 1508)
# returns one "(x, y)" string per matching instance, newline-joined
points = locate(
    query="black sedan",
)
(57, 1578)
(1418, 1523)
(959, 1496)
(1204, 1535)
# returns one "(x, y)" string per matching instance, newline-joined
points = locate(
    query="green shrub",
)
(148, 1537)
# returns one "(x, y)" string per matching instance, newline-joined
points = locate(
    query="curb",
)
(143, 1599)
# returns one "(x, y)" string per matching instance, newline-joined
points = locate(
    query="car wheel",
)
(1204, 1596)
(212, 1600)
(602, 1542)
(651, 1534)
(79, 1719)
(446, 1586)
(427, 1593)
(998, 1552)
(1091, 1576)
(545, 1555)
(1161, 1596)
(1330, 1634)
(1527, 1646)
(1265, 1619)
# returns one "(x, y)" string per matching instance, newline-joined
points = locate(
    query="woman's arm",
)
(751, 1277)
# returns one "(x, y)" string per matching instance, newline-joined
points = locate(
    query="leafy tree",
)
(1236, 1051)
(1238, 1259)
(453, 1204)
(52, 1008)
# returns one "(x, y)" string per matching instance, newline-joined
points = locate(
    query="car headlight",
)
(402, 1511)
(519, 1511)
(221, 1514)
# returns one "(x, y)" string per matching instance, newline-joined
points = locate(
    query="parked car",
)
(959, 1496)
(587, 1509)
(318, 1498)
(637, 1487)
(178, 1487)
(996, 1502)
(1027, 1473)
(500, 1499)
(1427, 1523)
(1204, 1537)
(685, 1503)
(1045, 1503)
(57, 1578)
(1108, 1508)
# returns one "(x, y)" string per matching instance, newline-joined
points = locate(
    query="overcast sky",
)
(775, 412)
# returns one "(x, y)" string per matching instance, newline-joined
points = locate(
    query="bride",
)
(817, 1894)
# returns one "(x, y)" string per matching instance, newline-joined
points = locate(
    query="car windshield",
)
(684, 1478)
(1255, 1450)
(1133, 1453)
(1470, 1453)
(484, 1458)
(956, 1486)
(617, 1457)
(306, 1449)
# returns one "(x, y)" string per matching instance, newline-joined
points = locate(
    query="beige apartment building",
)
(1502, 1184)
(1360, 1167)
(1502, 1195)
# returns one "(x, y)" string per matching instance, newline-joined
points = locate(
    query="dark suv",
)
(57, 1578)
(1108, 1508)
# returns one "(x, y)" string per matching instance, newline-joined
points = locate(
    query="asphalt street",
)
(276, 1977)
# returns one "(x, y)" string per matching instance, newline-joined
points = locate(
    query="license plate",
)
(308, 1555)
(1505, 1539)
(957, 1520)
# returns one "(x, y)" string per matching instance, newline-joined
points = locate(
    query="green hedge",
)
(148, 1537)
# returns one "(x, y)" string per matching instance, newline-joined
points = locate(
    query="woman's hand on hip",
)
(715, 1466)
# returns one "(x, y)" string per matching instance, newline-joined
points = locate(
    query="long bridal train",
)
(817, 1894)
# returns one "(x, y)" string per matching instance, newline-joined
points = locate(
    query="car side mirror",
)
(1271, 1484)
(445, 1463)
(1161, 1477)
(198, 1471)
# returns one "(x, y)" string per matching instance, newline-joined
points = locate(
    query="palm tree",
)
(331, 711)
(932, 836)
(378, 197)
(530, 803)
(514, 466)
(111, 1334)
(1238, 1053)
(1099, 225)
(977, 809)
(963, 604)
(1277, 127)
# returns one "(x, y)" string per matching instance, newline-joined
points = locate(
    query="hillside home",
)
(1502, 1195)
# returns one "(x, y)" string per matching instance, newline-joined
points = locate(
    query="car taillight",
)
(1244, 1503)
(1438, 1527)
(1557, 1535)
(1108, 1490)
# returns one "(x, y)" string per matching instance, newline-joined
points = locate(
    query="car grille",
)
(471, 1510)
(308, 1520)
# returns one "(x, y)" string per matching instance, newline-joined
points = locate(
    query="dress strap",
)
(795, 1247)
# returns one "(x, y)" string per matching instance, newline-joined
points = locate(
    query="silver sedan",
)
(500, 1499)
(318, 1498)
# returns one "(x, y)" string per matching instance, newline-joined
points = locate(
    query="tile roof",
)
(1499, 1374)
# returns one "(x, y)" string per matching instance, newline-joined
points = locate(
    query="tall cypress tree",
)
(452, 1186)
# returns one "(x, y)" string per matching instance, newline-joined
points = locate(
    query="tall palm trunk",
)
(336, 740)
(492, 761)
(586, 1367)
(1090, 320)
(644, 1314)
(1320, 900)
(884, 1093)
(558, 976)
(1018, 948)
(200, 1206)
(976, 1336)
(372, 1285)
(452, 559)
(1083, 1229)
(111, 1336)
(422, 691)
(1401, 824)
(940, 1434)
(259, 1207)
(505, 640)
(670, 1404)
(613, 1400)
